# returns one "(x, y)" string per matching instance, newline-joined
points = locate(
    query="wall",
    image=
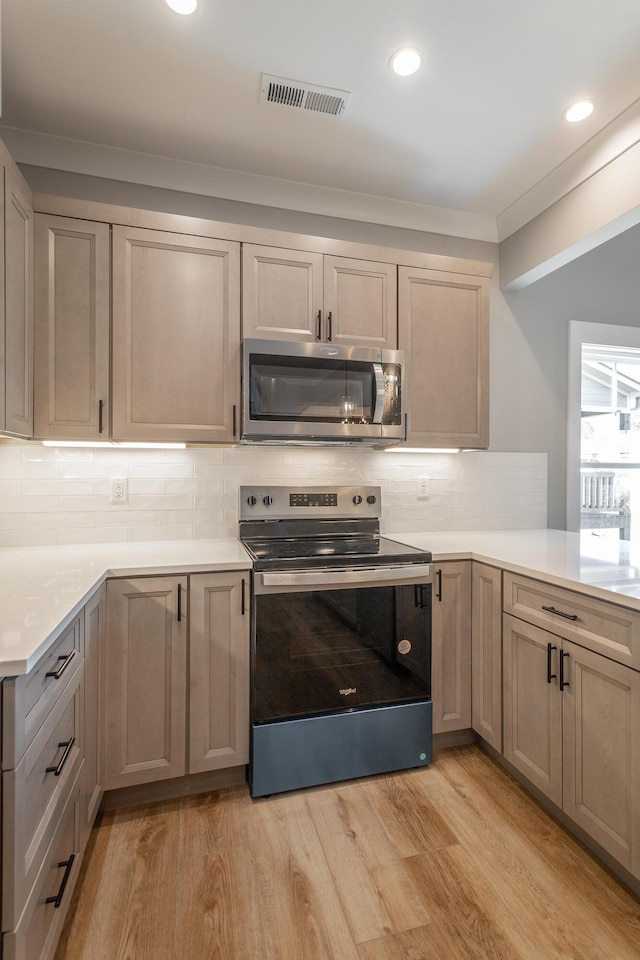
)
(55, 495)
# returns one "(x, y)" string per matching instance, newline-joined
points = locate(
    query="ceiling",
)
(477, 128)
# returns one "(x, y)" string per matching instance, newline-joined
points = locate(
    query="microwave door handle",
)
(378, 409)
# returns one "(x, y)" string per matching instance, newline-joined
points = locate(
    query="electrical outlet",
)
(119, 490)
(423, 488)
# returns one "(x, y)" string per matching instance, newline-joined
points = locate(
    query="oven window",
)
(322, 651)
(310, 390)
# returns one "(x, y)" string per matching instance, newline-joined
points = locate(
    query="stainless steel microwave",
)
(302, 393)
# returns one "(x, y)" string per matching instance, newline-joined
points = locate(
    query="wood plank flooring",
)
(450, 862)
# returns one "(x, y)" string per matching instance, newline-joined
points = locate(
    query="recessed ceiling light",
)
(579, 111)
(182, 6)
(405, 61)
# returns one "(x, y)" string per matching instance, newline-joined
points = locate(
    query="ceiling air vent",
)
(303, 96)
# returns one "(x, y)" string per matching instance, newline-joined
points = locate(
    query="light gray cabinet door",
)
(218, 671)
(532, 706)
(176, 337)
(18, 304)
(72, 341)
(360, 303)
(443, 324)
(601, 751)
(282, 295)
(145, 680)
(451, 646)
(486, 653)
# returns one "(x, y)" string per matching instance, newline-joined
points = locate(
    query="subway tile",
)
(20, 504)
(161, 502)
(30, 488)
(36, 521)
(28, 538)
(165, 470)
(94, 535)
(143, 487)
(160, 533)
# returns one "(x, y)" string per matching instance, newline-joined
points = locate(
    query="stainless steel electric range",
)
(341, 638)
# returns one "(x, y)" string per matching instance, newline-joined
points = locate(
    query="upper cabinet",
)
(72, 303)
(444, 331)
(294, 295)
(16, 342)
(176, 337)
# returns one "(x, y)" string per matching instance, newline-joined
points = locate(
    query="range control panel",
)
(284, 503)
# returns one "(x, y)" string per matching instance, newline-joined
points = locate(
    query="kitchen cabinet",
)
(176, 337)
(486, 653)
(94, 652)
(294, 295)
(16, 326)
(218, 671)
(153, 686)
(72, 316)
(451, 646)
(145, 680)
(443, 327)
(42, 776)
(572, 728)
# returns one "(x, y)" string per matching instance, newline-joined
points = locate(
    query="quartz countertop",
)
(599, 566)
(43, 588)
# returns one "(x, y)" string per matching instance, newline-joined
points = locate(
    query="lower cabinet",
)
(155, 690)
(92, 788)
(572, 728)
(451, 646)
(218, 671)
(486, 653)
(145, 680)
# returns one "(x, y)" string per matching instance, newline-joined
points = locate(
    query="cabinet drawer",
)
(37, 934)
(27, 700)
(33, 796)
(595, 624)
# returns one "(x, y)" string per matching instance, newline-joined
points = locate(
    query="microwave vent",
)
(303, 96)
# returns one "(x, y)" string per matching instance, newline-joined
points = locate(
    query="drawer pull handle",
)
(68, 865)
(319, 328)
(66, 658)
(563, 683)
(179, 602)
(559, 613)
(550, 676)
(68, 747)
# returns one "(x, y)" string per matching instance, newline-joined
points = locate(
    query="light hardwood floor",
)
(451, 862)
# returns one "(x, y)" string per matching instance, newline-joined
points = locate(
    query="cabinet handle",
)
(550, 676)
(319, 327)
(243, 595)
(179, 602)
(100, 412)
(329, 326)
(559, 613)
(68, 747)
(563, 683)
(66, 658)
(234, 418)
(439, 590)
(68, 865)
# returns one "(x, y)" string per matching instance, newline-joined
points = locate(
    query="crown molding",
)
(76, 156)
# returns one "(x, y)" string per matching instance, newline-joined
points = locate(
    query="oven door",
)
(334, 640)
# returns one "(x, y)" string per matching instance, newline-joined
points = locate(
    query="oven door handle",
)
(418, 572)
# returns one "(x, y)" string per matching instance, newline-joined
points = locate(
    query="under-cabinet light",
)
(113, 443)
(422, 450)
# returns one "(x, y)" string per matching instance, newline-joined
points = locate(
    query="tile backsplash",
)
(59, 495)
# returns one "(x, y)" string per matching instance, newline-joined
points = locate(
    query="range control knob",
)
(371, 499)
(267, 501)
(357, 499)
(252, 501)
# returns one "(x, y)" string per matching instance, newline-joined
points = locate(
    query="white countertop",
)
(42, 588)
(606, 568)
